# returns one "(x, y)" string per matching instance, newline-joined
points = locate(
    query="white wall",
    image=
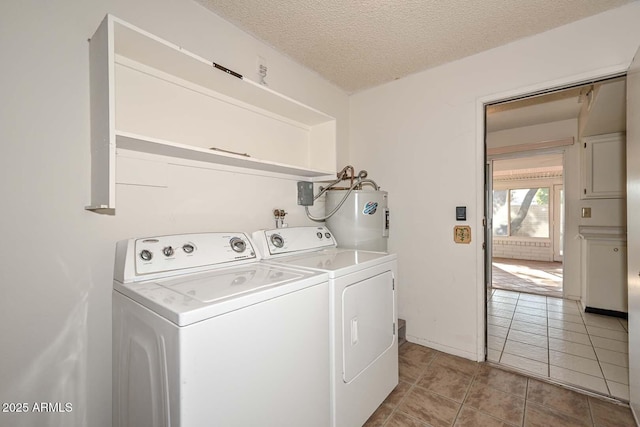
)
(421, 138)
(56, 259)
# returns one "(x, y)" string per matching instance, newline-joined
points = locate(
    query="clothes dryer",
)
(364, 345)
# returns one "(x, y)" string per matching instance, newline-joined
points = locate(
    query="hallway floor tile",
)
(559, 342)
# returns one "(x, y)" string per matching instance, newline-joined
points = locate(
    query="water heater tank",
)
(363, 220)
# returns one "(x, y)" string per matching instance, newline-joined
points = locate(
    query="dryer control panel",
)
(164, 256)
(292, 240)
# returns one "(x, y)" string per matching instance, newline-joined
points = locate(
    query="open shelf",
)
(153, 96)
(165, 148)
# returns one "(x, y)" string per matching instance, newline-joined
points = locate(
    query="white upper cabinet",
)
(152, 96)
(604, 166)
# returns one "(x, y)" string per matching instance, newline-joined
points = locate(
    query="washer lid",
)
(336, 262)
(195, 297)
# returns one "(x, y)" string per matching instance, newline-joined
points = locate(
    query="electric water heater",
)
(362, 222)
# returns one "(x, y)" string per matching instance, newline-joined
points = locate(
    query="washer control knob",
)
(327, 235)
(188, 248)
(277, 240)
(238, 245)
(146, 255)
(319, 234)
(167, 251)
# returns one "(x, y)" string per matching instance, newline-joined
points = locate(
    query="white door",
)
(633, 228)
(558, 222)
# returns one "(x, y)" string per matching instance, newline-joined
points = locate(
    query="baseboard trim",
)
(602, 311)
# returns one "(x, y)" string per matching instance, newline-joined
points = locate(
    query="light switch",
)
(586, 212)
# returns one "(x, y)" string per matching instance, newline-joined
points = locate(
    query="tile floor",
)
(552, 338)
(437, 390)
(536, 277)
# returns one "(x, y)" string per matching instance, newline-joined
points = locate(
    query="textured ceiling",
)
(363, 43)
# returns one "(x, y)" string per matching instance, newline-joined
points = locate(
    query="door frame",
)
(488, 229)
(558, 220)
(633, 230)
(481, 103)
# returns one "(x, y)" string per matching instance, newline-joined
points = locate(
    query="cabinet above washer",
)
(152, 96)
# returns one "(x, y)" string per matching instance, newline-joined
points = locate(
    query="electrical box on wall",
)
(462, 234)
(305, 193)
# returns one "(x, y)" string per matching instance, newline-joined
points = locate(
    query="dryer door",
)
(368, 328)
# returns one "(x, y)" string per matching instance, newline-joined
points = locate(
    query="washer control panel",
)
(162, 256)
(291, 240)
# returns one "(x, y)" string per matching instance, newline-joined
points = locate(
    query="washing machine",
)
(364, 345)
(204, 334)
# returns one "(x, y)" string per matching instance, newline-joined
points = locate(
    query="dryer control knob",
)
(146, 255)
(277, 240)
(188, 248)
(167, 251)
(319, 234)
(238, 245)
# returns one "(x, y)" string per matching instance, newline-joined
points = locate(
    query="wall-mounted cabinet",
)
(152, 96)
(604, 166)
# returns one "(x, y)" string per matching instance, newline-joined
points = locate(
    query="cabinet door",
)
(604, 166)
(607, 274)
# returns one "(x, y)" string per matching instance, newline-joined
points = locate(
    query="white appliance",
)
(364, 345)
(362, 222)
(206, 335)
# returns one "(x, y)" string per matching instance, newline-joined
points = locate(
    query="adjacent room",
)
(527, 224)
(531, 325)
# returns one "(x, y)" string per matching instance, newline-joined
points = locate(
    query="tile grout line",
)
(604, 378)
(606, 383)
(593, 421)
(507, 338)
(466, 393)
(413, 385)
(488, 386)
(504, 344)
(524, 410)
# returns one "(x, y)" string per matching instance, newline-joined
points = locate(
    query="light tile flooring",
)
(552, 338)
(437, 390)
(534, 277)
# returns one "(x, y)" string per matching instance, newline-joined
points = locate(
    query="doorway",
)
(527, 223)
(551, 337)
